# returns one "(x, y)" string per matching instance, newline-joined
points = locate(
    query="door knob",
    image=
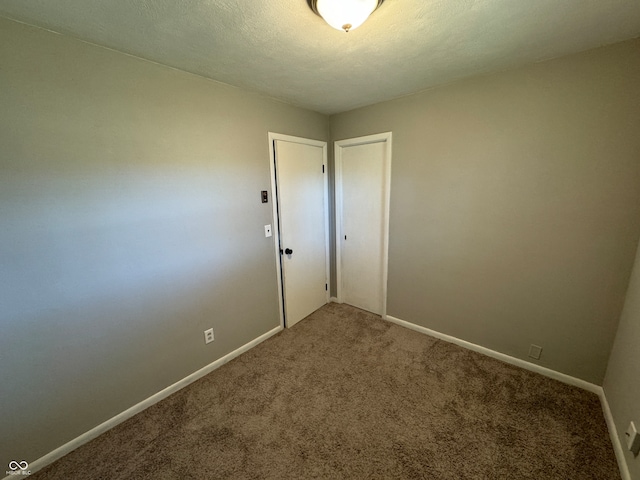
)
(288, 251)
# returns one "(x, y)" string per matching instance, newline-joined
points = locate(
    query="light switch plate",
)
(267, 230)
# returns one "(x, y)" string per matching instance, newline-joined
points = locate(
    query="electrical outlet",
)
(535, 351)
(208, 336)
(267, 230)
(633, 439)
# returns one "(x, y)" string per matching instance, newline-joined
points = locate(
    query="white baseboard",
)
(615, 439)
(333, 300)
(547, 372)
(130, 412)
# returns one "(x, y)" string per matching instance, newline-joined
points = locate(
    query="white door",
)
(363, 203)
(302, 212)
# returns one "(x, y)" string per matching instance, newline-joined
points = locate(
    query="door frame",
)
(276, 217)
(354, 142)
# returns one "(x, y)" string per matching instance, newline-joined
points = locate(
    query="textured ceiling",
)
(282, 49)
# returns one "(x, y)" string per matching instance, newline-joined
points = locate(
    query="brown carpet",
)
(344, 394)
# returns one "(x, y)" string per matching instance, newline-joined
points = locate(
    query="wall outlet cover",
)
(208, 336)
(633, 438)
(535, 351)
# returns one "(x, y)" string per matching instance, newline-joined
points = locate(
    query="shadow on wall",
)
(69, 239)
(107, 282)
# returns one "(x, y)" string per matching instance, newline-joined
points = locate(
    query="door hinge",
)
(326, 287)
(322, 168)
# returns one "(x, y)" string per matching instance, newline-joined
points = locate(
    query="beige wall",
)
(130, 221)
(622, 382)
(515, 205)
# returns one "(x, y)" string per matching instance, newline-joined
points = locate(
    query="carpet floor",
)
(344, 394)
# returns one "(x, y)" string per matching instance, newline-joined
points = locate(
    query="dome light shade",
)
(344, 14)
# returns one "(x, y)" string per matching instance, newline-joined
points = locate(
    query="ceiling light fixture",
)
(344, 14)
